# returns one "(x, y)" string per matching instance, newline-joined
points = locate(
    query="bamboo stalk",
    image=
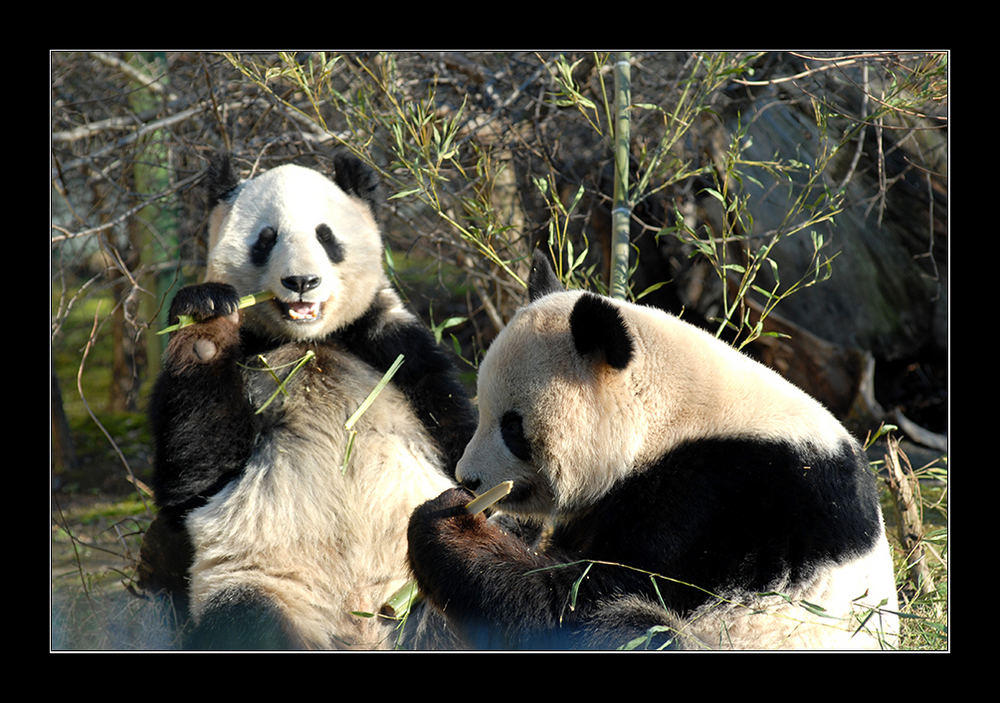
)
(401, 601)
(622, 213)
(244, 302)
(309, 355)
(485, 500)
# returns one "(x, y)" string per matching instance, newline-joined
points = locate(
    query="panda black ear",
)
(598, 327)
(221, 178)
(542, 280)
(356, 178)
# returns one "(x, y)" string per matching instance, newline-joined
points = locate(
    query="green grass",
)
(924, 616)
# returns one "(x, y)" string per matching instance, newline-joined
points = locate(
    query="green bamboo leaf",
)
(438, 329)
(576, 586)
(405, 193)
(815, 609)
(715, 194)
(654, 287)
(647, 637)
(383, 382)
(308, 356)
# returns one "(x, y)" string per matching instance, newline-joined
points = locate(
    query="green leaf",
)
(383, 382)
(576, 586)
(405, 193)
(655, 286)
(715, 194)
(308, 356)
(439, 328)
(647, 637)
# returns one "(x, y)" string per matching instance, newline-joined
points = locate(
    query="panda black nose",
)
(300, 284)
(471, 483)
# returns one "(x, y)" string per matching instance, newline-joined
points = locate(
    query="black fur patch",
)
(542, 280)
(221, 179)
(334, 249)
(241, 619)
(356, 178)
(204, 301)
(512, 431)
(723, 512)
(261, 249)
(598, 326)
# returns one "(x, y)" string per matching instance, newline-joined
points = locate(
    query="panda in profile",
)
(691, 497)
(282, 542)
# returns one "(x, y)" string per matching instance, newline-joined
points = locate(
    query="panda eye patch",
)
(512, 431)
(334, 249)
(261, 249)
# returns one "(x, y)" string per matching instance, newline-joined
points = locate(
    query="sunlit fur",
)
(294, 200)
(590, 426)
(594, 425)
(324, 541)
(294, 536)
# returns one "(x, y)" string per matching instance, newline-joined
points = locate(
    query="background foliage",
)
(748, 175)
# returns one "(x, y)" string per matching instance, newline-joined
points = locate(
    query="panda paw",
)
(443, 522)
(445, 540)
(215, 309)
(449, 506)
(205, 301)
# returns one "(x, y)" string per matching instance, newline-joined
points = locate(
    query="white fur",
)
(683, 384)
(591, 425)
(846, 606)
(323, 542)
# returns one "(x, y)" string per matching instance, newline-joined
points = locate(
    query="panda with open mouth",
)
(292, 527)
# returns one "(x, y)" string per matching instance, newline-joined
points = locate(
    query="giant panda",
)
(283, 539)
(691, 498)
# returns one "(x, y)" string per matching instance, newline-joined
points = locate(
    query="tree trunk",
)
(63, 455)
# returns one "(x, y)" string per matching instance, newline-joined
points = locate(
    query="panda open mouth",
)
(299, 311)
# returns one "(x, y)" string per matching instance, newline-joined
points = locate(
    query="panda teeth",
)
(302, 311)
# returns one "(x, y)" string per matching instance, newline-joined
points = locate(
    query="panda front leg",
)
(495, 591)
(428, 376)
(201, 418)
